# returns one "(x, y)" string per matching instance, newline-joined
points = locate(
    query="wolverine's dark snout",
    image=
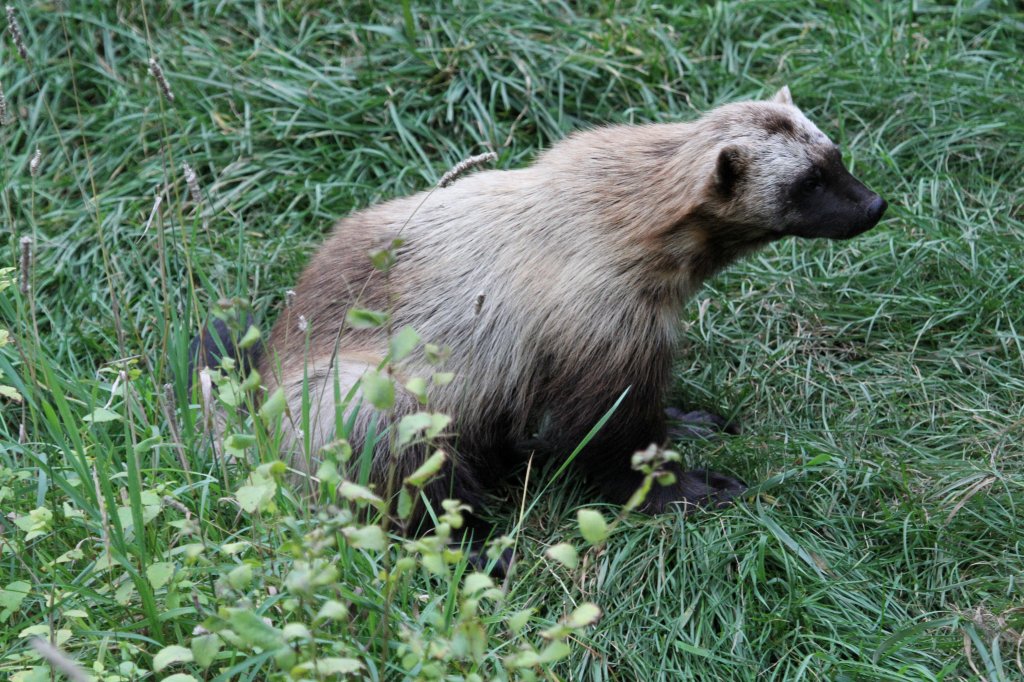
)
(829, 202)
(871, 210)
(876, 209)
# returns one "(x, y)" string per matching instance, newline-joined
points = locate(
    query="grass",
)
(878, 381)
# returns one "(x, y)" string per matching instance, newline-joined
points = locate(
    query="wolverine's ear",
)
(729, 170)
(783, 96)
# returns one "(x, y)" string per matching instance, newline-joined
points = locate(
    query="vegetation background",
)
(879, 382)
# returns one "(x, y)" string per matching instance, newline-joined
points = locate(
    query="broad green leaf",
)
(327, 472)
(340, 450)
(12, 595)
(357, 493)
(475, 582)
(274, 406)
(332, 610)
(240, 576)
(232, 548)
(425, 471)
(236, 443)
(405, 502)
(271, 470)
(554, 652)
(434, 563)
(418, 387)
(359, 318)
(365, 537)
(253, 497)
(159, 573)
(123, 594)
(10, 393)
(296, 631)
(11, 598)
(593, 527)
(100, 415)
(230, 393)
(326, 667)
(170, 655)
(412, 424)
(378, 389)
(254, 631)
(39, 673)
(565, 554)
(403, 342)
(819, 459)
(72, 513)
(438, 422)
(252, 382)
(37, 522)
(584, 615)
(148, 444)
(524, 659)
(518, 620)
(252, 335)
(43, 630)
(338, 666)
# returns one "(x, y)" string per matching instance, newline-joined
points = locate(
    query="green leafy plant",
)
(878, 381)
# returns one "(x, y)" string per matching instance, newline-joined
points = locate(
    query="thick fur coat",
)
(583, 261)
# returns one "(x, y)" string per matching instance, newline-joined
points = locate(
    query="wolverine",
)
(558, 288)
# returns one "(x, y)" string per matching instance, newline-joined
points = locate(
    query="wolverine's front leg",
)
(610, 463)
(697, 423)
(692, 489)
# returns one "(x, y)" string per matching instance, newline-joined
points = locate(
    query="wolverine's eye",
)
(811, 183)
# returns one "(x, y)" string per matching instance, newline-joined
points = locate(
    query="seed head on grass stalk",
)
(206, 392)
(466, 164)
(15, 31)
(33, 165)
(26, 263)
(3, 106)
(193, 184)
(161, 80)
(153, 211)
(169, 501)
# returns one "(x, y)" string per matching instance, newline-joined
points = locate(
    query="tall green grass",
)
(879, 382)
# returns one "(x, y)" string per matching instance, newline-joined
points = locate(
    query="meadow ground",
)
(879, 382)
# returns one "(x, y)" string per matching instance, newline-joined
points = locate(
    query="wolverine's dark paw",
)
(697, 424)
(496, 568)
(718, 489)
(693, 489)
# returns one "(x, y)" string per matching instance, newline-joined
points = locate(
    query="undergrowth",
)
(878, 381)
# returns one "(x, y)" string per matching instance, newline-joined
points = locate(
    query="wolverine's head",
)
(778, 173)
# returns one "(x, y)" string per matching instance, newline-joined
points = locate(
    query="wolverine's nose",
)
(876, 208)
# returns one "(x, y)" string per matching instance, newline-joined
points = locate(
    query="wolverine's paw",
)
(697, 424)
(694, 489)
